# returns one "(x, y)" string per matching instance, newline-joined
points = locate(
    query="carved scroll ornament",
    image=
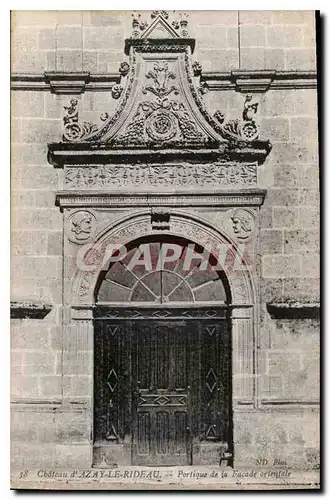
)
(165, 106)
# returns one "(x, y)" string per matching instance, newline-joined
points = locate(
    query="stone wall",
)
(94, 41)
(226, 40)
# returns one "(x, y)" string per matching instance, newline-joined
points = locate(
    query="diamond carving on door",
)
(161, 432)
(162, 387)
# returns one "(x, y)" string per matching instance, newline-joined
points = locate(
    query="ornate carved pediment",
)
(160, 103)
(159, 28)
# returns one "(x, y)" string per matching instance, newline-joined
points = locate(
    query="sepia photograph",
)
(165, 213)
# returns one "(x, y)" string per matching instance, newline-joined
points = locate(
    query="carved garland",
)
(161, 120)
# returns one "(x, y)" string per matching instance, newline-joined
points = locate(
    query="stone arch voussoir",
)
(137, 225)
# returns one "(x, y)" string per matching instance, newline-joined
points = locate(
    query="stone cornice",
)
(48, 406)
(64, 82)
(259, 80)
(239, 80)
(29, 310)
(60, 154)
(159, 44)
(289, 403)
(293, 310)
(184, 198)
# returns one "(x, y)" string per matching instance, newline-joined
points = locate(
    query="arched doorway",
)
(162, 357)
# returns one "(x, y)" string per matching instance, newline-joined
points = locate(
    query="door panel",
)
(143, 433)
(161, 393)
(162, 389)
(215, 381)
(111, 382)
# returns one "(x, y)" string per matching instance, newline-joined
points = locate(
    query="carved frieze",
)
(166, 176)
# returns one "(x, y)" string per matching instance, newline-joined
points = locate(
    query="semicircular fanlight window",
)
(147, 281)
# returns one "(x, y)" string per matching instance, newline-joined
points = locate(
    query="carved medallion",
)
(161, 125)
(242, 224)
(81, 226)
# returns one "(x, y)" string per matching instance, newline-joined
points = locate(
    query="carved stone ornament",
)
(116, 91)
(124, 69)
(197, 68)
(157, 175)
(80, 226)
(73, 129)
(140, 226)
(242, 224)
(160, 219)
(247, 128)
(160, 97)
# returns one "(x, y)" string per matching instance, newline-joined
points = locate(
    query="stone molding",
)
(241, 81)
(66, 83)
(293, 310)
(216, 198)
(159, 45)
(136, 225)
(259, 80)
(61, 82)
(273, 403)
(38, 405)
(29, 310)
(60, 154)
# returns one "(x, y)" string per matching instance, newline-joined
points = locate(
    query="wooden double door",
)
(162, 385)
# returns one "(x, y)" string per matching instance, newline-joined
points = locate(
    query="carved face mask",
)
(242, 223)
(82, 228)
